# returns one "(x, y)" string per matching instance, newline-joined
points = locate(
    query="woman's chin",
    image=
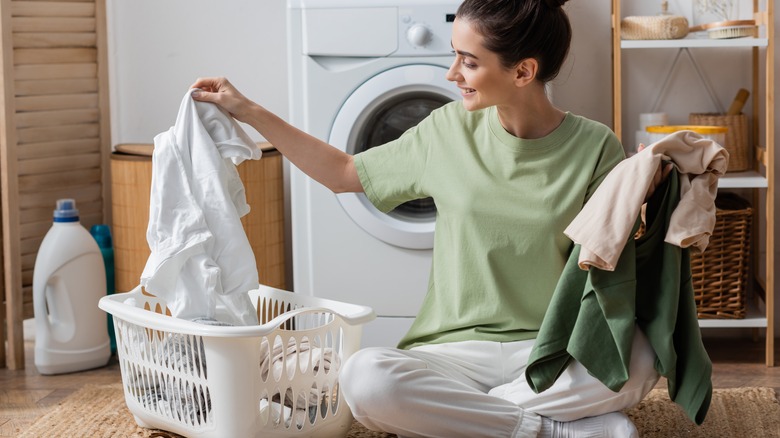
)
(469, 104)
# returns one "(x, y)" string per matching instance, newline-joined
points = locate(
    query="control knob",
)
(419, 35)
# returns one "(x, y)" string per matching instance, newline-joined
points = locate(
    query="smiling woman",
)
(492, 72)
(507, 171)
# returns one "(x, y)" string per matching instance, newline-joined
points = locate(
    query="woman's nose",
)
(453, 73)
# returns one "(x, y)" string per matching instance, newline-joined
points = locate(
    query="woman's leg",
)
(433, 391)
(576, 394)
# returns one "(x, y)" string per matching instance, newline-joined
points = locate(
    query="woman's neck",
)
(531, 115)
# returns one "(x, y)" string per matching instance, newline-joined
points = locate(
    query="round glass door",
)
(379, 111)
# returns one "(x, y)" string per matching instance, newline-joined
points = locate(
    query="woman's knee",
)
(370, 375)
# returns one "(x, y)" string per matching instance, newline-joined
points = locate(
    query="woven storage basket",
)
(653, 27)
(736, 143)
(720, 274)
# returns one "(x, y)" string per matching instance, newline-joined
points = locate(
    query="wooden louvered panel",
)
(50, 197)
(49, 165)
(56, 114)
(28, 259)
(35, 214)
(58, 102)
(55, 56)
(29, 245)
(27, 301)
(55, 71)
(73, 178)
(54, 133)
(52, 24)
(34, 229)
(56, 86)
(89, 209)
(63, 148)
(56, 118)
(52, 9)
(54, 39)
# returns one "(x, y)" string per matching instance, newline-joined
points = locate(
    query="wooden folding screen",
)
(54, 135)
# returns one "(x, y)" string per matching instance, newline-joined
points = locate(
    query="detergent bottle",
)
(102, 235)
(71, 332)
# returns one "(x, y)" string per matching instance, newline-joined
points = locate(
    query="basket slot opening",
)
(164, 372)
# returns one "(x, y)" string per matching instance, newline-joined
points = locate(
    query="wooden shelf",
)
(760, 180)
(755, 318)
(742, 180)
(694, 42)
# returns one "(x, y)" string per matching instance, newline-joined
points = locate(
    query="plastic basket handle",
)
(279, 320)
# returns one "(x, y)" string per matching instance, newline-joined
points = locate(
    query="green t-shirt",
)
(502, 205)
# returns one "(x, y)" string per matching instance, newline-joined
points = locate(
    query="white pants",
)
(478, 389)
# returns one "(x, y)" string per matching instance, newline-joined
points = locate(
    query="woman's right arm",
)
(333, 168)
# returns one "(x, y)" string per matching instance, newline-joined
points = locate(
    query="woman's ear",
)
(525, 71)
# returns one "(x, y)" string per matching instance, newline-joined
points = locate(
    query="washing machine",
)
(361, 73)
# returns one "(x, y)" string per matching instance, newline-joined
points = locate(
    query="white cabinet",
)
(759, 180)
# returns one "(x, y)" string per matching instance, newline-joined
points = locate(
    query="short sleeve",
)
(393, 173)
(611, 154)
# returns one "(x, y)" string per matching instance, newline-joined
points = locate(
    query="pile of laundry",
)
(179, 398)
(296, 358)
(183, 399)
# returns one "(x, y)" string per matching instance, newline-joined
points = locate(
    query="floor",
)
(25, 395)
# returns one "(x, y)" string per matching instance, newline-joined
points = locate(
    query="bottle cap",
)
(66, 211)
(102, 234)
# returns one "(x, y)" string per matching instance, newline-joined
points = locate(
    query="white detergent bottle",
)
(68, 280)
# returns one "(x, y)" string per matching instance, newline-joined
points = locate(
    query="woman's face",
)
(477, 71)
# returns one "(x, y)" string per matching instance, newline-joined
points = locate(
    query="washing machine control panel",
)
(425, 30)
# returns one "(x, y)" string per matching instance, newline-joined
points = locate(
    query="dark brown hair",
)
(520, 29)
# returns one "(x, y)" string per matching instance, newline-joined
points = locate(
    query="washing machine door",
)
(379, 111)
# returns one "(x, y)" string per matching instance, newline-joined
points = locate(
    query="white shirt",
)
(200, 254)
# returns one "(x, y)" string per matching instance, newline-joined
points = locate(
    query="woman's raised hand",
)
(221, 92)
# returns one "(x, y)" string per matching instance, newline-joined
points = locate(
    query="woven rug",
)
(100, 412)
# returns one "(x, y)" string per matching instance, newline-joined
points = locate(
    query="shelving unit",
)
(761, 179)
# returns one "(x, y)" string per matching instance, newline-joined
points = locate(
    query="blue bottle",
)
(102, 235)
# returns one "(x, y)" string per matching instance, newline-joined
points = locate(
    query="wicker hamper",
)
(720, 274)
(736, 143)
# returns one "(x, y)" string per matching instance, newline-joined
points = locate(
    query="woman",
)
(508, 172)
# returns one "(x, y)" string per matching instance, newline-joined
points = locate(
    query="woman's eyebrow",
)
(462, 53)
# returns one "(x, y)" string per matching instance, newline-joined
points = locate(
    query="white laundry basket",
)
(276, 379)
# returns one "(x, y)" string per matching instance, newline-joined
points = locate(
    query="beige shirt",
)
(605, 222)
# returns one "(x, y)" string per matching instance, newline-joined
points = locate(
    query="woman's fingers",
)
(211, 84)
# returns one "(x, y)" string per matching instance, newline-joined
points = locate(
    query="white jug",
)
(69, 278)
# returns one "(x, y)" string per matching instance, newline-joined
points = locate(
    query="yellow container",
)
(714, 133)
